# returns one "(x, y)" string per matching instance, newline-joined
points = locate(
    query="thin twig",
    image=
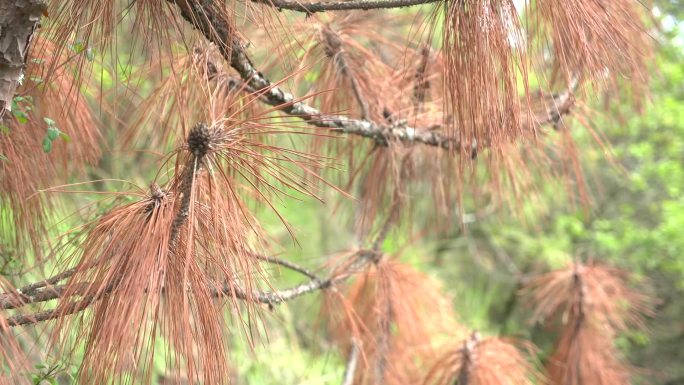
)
(267, 298)
(352, 363)
(313, 7)
(45, 290)
(29, 289)
(287, 264)
(40, 291)
(60, 310)
(359, 259)
(33, 318)
(275, 297)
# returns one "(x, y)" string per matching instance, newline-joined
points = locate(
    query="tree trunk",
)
(18, 21)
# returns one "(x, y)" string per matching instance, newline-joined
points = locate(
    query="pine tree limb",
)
(314, 7)
(359, 259)
(218, 30)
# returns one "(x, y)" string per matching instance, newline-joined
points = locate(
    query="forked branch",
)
(358, 260)
(218, 30)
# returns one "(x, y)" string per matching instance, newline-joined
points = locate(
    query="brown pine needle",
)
(589, 305)
(392, 312)
(490, 361)
(47, 100)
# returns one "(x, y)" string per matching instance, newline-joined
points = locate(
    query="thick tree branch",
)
(218, 30)
(313, 7)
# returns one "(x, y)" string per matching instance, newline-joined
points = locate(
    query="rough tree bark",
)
(18, 20)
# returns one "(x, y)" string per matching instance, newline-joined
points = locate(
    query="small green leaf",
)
(47, 145)
(21, 116)
(53, 132)
(3, 158)
(65, 137)
(49, 122)
(4, 129)
(78, 47)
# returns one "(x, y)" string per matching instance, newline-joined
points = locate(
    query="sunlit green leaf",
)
(21, 116)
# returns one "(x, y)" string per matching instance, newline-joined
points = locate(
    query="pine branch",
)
(359, 260)
(36, 292)
(198, 142)
(314, 7)
(22, 297)
(287, 264)
(268, 298)
(33, 318)
(30, 289)
(218, 30)
(17, 299)
(43, 291)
